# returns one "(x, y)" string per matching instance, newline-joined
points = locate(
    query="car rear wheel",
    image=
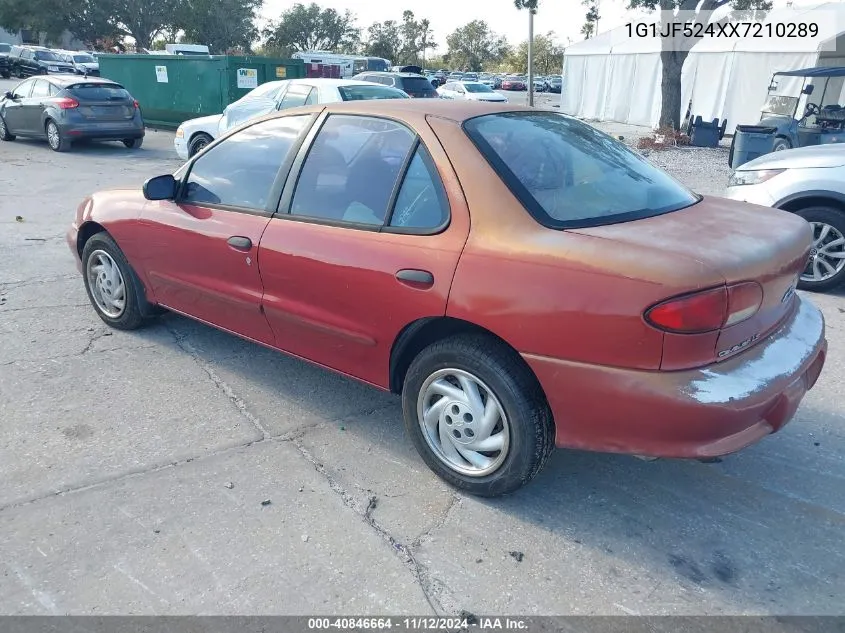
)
(477, 415)
(826, 267)
(109, 282)
(133, 143)
(5, 135)
(57, 142)
(198, 143)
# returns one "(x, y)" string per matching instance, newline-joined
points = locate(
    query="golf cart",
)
(802, 120)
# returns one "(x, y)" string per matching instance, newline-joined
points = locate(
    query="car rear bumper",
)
(103, 130)
(699, 413)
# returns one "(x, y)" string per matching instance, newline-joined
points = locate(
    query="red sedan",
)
(514, 84)
(521, 279)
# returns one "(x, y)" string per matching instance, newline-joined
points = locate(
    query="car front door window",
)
(240, 171)
(351, 170)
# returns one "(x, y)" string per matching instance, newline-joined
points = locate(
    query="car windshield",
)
(471, 87)
(776, 104)
(364, 93)
(83, 59)
(568, 174)
(99, 92)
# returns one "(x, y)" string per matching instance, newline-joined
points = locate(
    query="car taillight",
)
(708, 310)
(743, 302)
(137, 105)
(66, 103)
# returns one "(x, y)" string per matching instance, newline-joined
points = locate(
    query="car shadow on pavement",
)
(758, 532)
(110, 149)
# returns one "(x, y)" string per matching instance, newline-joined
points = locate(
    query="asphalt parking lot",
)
(180, 470)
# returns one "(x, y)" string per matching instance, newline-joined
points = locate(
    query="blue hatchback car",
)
(68, 108)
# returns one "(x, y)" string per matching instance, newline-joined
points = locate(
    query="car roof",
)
(69, 80)
(458, 111)
(390, 74)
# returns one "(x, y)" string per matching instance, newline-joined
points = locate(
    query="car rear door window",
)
(241, 170)
(422, 203)
(296, 96)
(351, 170)
(40, 89)
(417, 85)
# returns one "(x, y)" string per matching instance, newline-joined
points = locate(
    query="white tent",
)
(613, 77)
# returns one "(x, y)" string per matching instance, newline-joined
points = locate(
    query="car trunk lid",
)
(740, 242)
(103, 102)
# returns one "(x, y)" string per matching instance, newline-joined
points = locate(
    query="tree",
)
(548, 55)
(416, 36)
(220, 24)
(303, 28)
(49, 17)
(675, 49)
(474, 44)
(591, 20)
(383, 40)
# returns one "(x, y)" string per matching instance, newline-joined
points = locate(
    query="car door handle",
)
(240, 243)
(412, 276)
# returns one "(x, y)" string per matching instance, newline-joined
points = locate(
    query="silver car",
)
(810, 182)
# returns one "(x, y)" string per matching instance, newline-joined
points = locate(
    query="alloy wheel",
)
(827, 257)
(463, 422)
(53, 136)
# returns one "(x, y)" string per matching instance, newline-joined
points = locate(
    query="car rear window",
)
(567, 174)
(98, 92)
(5, 48)
(416, 84)
(364, 93)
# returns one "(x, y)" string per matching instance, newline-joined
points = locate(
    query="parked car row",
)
(510, 81)
(24, 61)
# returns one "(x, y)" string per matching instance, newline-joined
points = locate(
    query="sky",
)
(564, 17)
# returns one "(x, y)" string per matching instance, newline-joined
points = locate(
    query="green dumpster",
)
(174, 88)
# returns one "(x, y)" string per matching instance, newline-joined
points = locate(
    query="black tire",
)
(5, 135)
(133, 143)
(836, 219)
(5, 74)
(57, 141)
(42, 71)
(781, 144)
(531, 436)
(198, 143)
(132, 316)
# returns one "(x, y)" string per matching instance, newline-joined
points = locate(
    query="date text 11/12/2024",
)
(464, 623)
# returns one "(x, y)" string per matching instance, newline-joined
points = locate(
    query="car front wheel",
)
(5, 135)
(826, 267)
(109, 282)
(781, 144)
(477, 415)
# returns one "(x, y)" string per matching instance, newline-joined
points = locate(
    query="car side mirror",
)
(160, 188)
(10, 95)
